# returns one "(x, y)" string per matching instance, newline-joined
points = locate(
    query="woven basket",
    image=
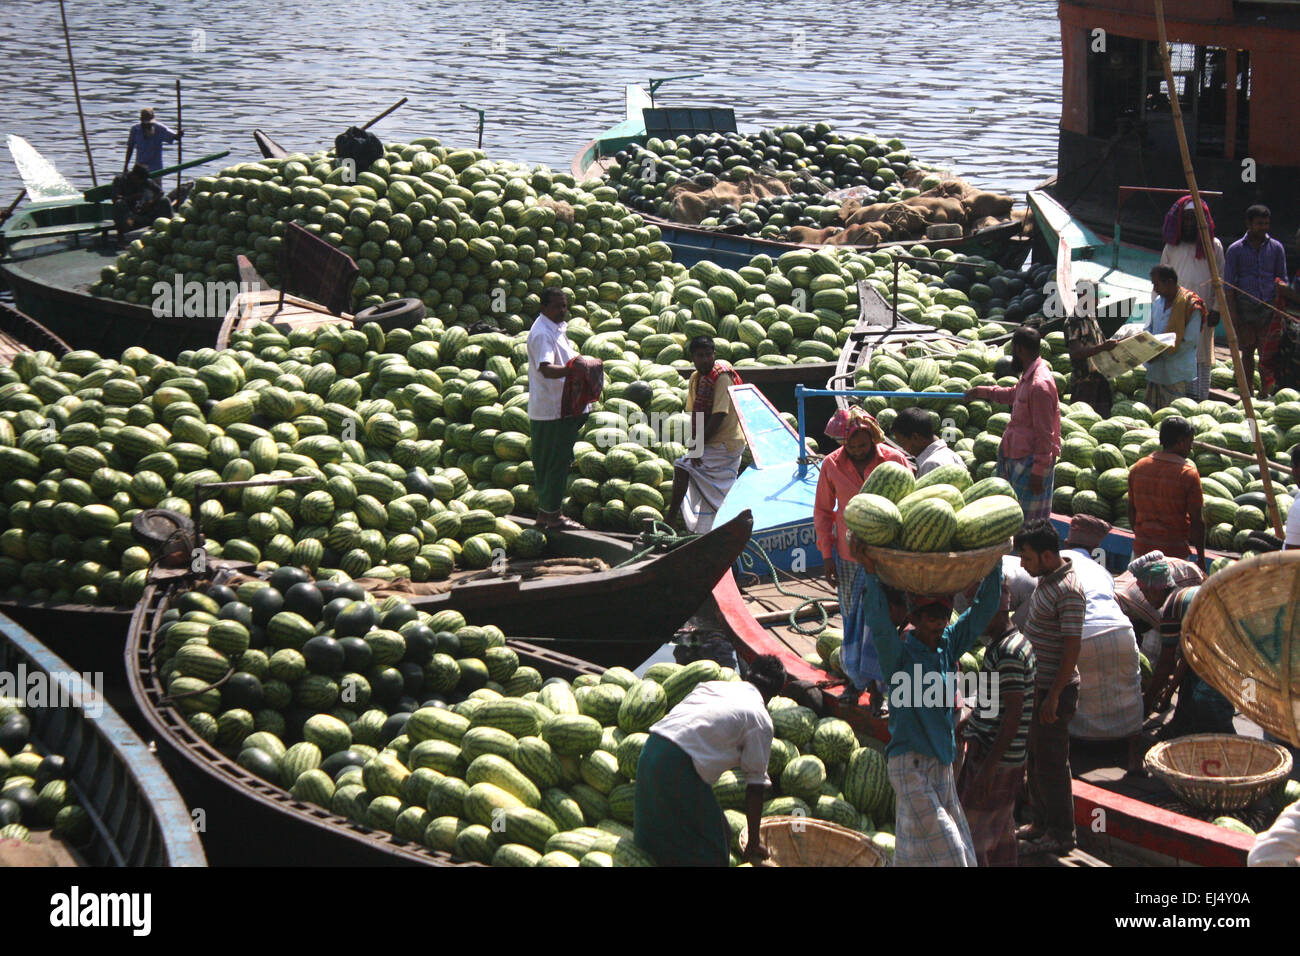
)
(938, 572)
(802, 841)
(1239, 636)
(1219, 771)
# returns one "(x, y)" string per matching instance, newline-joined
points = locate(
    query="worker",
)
(1184, 253)
(1201, 709)
(553, 432)
(1172, 374)
(146, 141)
(1083, 340)
(1020, 584)
(1165, 497)
(718, 726)
(930, 826)
(1251, 267)
(996, 741)
(913, 431)
(1286, 364)
(1032, 439)
(841, 476)
(1292, 530)
(137, 200)
(1110, 675)
(704, 475)
(1279, 845)
(1055, 629)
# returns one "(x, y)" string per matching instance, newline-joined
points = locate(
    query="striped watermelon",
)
(929, 526)
(956, 475)
(987, 521)
(643, 704)
(1113, 482)
(866, 783)
(890, 480)
(873, 519)
(944, 492)
(996, 486)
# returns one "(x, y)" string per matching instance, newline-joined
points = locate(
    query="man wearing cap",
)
(1165, 497)
(146, 141)
(1110, 676)
(920, 668)
(996, 741)
(1201, 709)
(1145, 617)
(1055, 629)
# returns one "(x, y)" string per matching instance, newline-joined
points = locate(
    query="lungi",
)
(1110, 687)
(992, 819)
(677, 819)
(711, 477)
(552, 455)
(930, 827)
(1200, 389)
(1018, 472)
(1159, 396)
(858, 655)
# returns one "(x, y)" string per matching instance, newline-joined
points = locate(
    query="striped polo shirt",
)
(1010, 662)
(1056, 610)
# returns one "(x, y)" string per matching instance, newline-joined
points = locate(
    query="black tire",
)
(397, 314)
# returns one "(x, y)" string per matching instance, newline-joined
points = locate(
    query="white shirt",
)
(1293, 524)
(1194, 274)
(547, 344)
(1018, 581)
(935, 455)
(722, 724)
(1279, 845)
(1102, 613)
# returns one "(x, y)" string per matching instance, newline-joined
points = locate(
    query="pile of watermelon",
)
(811, 159)
(428, 728)
(34, 790)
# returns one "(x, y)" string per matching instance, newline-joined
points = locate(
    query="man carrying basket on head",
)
(931, 828)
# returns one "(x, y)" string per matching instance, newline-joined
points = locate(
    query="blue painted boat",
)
(138, 816)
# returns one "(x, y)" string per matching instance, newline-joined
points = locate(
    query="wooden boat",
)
(268, 147)
(648, 599)
(265, 825)
(140, 817)
(21, 333)
(258, 303)
(1116, 127)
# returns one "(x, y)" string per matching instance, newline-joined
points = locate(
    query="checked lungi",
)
(676, 817)
(930, 827)
(1018, 472)
(1110, 687)
(711, 477)
(991, 818)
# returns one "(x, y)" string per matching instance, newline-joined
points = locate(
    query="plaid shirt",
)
(1035, 426)
(1056, 612)
(1082, 330)
(1165, 490)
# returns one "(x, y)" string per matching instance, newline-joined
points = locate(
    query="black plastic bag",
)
(359, 146)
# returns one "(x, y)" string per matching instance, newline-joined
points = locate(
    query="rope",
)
(660, 537)
(747, 561)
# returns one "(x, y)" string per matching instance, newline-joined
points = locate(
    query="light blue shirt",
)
(1179, 365)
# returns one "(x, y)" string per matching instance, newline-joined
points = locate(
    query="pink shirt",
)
(1035, 427)
(838, 482)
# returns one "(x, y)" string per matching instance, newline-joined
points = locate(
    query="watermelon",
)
(890, 480)
(873, 519)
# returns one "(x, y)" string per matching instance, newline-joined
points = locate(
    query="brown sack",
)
(982, 204)
(939, 209)
(810, 235)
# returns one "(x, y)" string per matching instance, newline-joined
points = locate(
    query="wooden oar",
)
(385, 113)
(9, 210)
(100, 193)
(180, 143)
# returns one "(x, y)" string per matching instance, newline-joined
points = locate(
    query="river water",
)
(971, 86)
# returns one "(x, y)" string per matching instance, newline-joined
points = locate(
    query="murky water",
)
(969, 85)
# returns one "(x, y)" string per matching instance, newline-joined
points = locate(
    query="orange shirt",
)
(1165, 490)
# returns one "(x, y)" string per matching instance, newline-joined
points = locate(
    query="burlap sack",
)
(863, 234)
(691, 202)
(810, 235)
(981, 204)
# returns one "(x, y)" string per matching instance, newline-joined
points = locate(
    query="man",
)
(1201, 709)
(1279, 845)
(930, 827)
(1165, 498)
(841, 476)
(1184, 254)
(914, 431)
(702, 477)
(1110, 677)
(1172, 373)
(1032, 439)
(553, 434)
(1286, 365)
(1251, 267)
(137, 200)
(1145, 617)
(996, 741)
(719, 725)
(1292, 540)
(1083, 340)
(1055, 630)
(146, 142)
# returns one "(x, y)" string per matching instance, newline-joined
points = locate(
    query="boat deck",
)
(74, 268)
(771, 608)
(263, 305)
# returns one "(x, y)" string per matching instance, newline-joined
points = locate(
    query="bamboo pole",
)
(1207, 244)
(76, 92)
(180, 144)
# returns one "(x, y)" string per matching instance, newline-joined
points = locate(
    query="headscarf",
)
(1087, 532)
(1152, 570)
(917, 601)
(837, 427)
(1173, 225)
(859, 419)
